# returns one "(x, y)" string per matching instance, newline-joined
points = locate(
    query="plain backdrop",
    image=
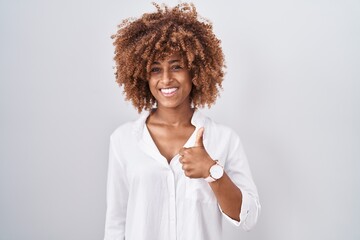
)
(292, 92)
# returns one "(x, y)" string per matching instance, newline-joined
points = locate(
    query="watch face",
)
(216, 171)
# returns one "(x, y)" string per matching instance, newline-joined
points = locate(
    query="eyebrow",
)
(170, 62)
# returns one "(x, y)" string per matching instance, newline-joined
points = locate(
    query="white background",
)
(291, 92)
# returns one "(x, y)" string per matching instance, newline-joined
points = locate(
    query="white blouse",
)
(150, 199)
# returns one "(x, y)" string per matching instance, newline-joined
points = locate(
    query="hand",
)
(195, 160)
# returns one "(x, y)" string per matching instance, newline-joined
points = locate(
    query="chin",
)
(174, 102)
(168, 105)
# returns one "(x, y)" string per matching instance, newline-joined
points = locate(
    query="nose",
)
(166, 76)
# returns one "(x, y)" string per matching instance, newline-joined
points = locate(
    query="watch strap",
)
(210, 179)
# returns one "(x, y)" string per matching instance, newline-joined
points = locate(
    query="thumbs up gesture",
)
(195, 160)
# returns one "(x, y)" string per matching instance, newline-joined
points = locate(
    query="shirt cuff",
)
(245, 206)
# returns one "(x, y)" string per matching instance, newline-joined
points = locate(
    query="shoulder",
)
(220, 130)
(129, 130)
(124, 129)
(222, 142)
(200, 119)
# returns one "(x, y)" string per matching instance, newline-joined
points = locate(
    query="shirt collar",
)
(198, 120)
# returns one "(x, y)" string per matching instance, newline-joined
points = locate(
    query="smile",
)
(167, 92)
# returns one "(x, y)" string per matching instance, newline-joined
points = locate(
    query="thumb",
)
(199, 138)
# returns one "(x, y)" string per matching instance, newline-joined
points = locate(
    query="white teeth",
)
(168, 90)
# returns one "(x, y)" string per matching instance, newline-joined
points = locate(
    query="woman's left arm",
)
(228, 196)
(235, 191)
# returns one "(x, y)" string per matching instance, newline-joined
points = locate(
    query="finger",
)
(184, 167)
(181, 152)
(199, 137)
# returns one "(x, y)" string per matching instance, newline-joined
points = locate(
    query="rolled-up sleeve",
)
(116, 197)
(237, 168)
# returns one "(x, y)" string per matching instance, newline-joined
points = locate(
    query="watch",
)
(216, 172)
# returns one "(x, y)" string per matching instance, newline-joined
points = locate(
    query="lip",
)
(168, 92)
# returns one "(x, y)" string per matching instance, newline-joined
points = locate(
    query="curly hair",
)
(138, 42)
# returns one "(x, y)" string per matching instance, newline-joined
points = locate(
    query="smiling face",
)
(170, 82)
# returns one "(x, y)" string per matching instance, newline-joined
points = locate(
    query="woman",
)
(174, 173)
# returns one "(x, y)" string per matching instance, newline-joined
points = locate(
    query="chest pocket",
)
(199, 190)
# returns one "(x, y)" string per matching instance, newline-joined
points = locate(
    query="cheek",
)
(189, 85)
(189, 88)
(152, 87)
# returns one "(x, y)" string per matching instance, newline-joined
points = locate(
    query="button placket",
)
(172, 203)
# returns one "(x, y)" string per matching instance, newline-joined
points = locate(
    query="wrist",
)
(209, 164)
(216, 171)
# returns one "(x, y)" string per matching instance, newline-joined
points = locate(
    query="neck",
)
(173, 116)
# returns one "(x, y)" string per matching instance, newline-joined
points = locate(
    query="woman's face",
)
(170, 82)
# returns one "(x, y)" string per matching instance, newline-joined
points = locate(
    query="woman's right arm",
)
(117, 195)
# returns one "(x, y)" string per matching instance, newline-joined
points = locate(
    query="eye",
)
(177, 67)
(155, 70)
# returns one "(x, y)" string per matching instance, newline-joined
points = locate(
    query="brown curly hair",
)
(138, 42)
